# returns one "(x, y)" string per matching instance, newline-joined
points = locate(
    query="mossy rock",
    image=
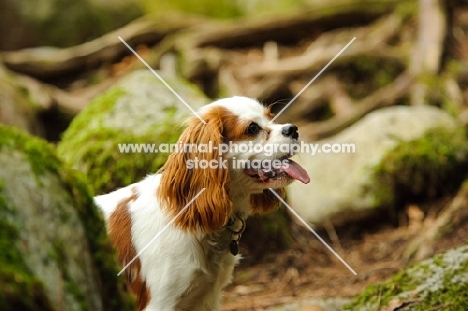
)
(401, 154)
(18, 108)
(139, 109)
(421, 169)
(438, 283)
(54, 253)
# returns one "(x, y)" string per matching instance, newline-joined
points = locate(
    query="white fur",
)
(171, 261)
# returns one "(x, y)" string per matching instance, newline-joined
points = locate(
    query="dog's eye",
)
(253, 129)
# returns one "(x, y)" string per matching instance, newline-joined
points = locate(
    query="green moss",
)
(20, 289)
(58, 254)
(42, 157)
(97, 152)
(440, 283)
(112, 286)
(101, 104)
(102, 152)
(421, 169)
(407, 9)
(377, 295)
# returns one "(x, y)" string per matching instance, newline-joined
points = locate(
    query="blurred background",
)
(395, 209)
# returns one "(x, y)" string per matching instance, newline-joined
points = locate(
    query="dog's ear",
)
(182, 179)
(266, 201)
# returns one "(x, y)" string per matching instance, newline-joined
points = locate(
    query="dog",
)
(187, 219)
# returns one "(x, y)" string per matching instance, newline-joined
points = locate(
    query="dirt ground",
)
(374, 248)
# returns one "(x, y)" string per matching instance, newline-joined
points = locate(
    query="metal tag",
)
(234, 247)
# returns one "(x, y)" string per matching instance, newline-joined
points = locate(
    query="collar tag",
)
(237, 226)
(234, 247)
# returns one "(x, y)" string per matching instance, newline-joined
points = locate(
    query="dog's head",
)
(235, 152)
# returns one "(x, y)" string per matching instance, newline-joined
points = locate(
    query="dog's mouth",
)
(283, 168)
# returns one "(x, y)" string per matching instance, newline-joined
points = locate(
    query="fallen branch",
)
(47, 62)
(50, 97)
(370, 41)
(328, 90)
(294, 27)
(382, 97)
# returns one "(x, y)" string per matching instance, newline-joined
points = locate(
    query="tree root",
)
(454, 213)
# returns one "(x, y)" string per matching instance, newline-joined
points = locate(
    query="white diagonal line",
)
(162, 80)
(313, 231)
(313, 79)
(160, 232)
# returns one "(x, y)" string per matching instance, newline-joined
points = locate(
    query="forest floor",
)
(307, 272)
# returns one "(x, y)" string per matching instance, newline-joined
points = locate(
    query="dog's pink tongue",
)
(297, 172)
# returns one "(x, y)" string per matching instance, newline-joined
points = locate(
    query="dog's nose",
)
(290, 130)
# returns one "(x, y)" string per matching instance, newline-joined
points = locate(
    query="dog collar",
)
(236, 225)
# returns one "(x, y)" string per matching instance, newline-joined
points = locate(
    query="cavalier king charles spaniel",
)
(197, 204)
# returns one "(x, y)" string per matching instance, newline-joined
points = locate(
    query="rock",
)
(438, 283)
(17, 108)
(139, 109)
(54, 254)
(400, 153)
(60, 22)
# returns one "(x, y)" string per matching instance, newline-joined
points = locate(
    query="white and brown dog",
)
(186, 267)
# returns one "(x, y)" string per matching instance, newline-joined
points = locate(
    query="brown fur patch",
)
(268, 113)
(180, 184)
(120, 231)
(266, 202)
(233, 128)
